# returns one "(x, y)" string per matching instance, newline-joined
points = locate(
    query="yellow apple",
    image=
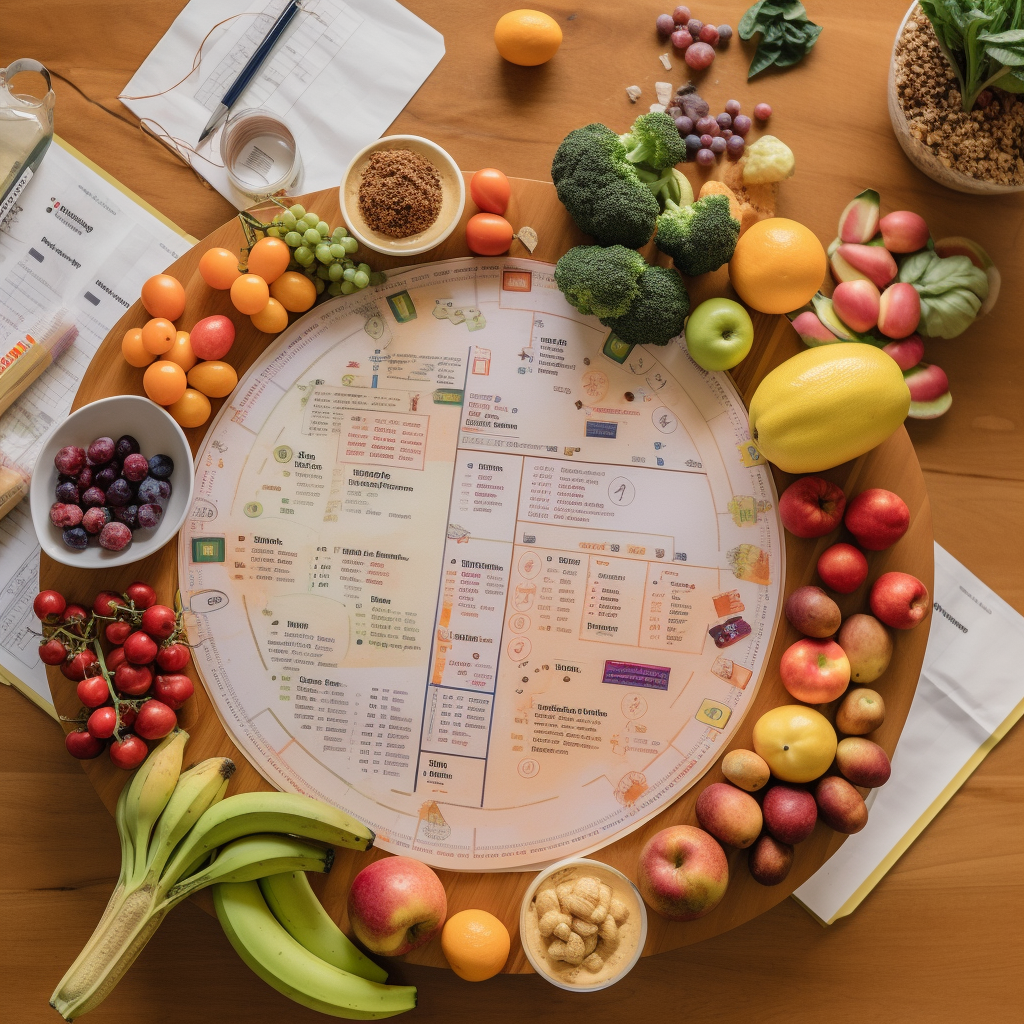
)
(798, 742)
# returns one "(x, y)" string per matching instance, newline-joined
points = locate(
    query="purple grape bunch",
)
(109, 490)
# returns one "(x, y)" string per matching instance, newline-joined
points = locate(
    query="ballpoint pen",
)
(253, 65)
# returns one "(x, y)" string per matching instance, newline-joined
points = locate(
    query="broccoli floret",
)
(654, 140)
(671, 184)
(657, 313)
(600, 282)
(600, 188)
(699, 238)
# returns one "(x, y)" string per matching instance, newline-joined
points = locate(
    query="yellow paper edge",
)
(25, 690)
(111, 180)
(919, 826)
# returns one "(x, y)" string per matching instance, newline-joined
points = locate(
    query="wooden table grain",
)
(941, 937)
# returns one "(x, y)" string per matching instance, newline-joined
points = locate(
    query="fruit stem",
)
(110, 686)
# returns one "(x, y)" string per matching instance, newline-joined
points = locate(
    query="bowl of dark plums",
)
(112, 483)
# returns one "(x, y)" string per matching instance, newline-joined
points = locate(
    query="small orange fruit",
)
(219, 268)
(249, 293)
(191, 410)
(268, 258)
(527, 37)
(778, 265)
(271, 319)
(163, 295)
(476, 944)
(158, 335)
(134, 352)
(181, 351)
(294, 291)
(164, 382)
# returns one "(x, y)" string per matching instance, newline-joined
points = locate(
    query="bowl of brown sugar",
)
(402, 195)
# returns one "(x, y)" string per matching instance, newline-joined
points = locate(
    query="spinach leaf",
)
(787, 34)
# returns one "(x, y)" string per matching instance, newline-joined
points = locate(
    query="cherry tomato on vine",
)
(47, 603)
(490, 190)
(52, 652)
(141, 594)
(159, 622)
(140, 648)
(155, 720)
(173, 689)
(107, 603)
(134, 680)
(93, 692)
(117, 632)
(128, 753)
(115, 659)
(83, 745)
(102, 723)
(73, 618)
(80, 666)
(173, 658)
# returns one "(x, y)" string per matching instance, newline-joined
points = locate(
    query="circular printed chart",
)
(466, 566)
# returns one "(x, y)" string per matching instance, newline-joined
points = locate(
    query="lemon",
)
(798, 742)
(827, 405)
(527, 37)
(475, 944)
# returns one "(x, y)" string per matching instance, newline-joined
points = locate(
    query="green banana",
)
(292, 901)
(286, 965)
(246, 813)
(199, 788)
(151, 788)
(253, 856)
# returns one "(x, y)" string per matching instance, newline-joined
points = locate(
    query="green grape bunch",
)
(323, 254)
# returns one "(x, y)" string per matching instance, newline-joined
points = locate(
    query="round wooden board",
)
(892, 465)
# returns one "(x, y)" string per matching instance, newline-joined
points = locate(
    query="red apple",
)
(813, 612)
(857, 303)
(682, 873)
(396, 904)
(815, 671)
(840, 806)
(843, 568)
(899, 310)
(899, 600)
(790, 813)
(863, 762)
(907, 352)
(769, 860)
(903, 231)
(877, 518)
(811, 507)
(730, 815)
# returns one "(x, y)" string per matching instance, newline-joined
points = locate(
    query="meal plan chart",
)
(463, 564)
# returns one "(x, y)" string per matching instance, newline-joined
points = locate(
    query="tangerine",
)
(134, 352)
(527, 37)
(778, 265)
(476, 944)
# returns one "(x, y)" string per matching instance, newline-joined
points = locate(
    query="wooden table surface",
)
(941, 936)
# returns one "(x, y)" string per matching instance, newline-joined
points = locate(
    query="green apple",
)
(719, 334)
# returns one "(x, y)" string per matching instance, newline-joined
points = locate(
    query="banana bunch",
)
(180, 833)
(282, 932)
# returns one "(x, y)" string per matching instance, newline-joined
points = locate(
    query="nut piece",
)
(583, 928)
(602, 908)
(609, 932)
(589, 888)
(563, 929)
(618, 910)
(572, 951)
(563, 890)
(589, 944)
(578, 906)
(551, 920)
(546, 899)
(594, 962)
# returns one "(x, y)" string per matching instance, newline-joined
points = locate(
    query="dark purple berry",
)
(727, 134)
(151, 490)
(96, 518)
(693, 26)
(119, 493)
(136, 467)
(741, 124)
(692, 144)
(684, 124)
(75, 537)
(705, 141)
(69, 459)
(101, 451)
(129, 515)
(126, 445)
(735, 147)
(705, 157)
(718, 145)
(93, 496)
(85, 478)
(66, 492)
(65, 516)
(724, 121)
(106, 476)
(115, 536)
(150, 516)
(707, 125)
(732, 107)
(724, 34)
(161, 466)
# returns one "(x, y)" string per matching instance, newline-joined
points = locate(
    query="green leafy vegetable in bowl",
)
(983, 40)
(951, 289)
(787, 34)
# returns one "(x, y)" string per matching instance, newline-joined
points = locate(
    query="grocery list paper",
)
(340, 74)
(970, 693)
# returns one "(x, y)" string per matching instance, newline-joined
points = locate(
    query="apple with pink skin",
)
(840, 806)
(813, 612)
(873, 261)
(790, 813)
(899, 310)
(857, 304)
(877, 518)
(812, 331)
(861, 711)
(907, 352)
(815, 671)
(863, 762)
(396, 904)
(730, 815)
(903, 231)
(929, 391)
(769, 860)
(842, 568)
(682, 873)
(812, 506)
(868, 645)
(899, 600)
(859, 220)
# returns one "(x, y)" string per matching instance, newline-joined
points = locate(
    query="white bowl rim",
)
(528, 899)
(441, 152)
(39, 513)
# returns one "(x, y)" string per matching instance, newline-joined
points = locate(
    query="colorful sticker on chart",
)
(712, 713)
(749, 454)
(749, 562)
(402, 306)
(727, 669)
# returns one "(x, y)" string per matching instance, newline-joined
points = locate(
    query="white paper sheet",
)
(340, 74)
(971, 685)
(74, 240)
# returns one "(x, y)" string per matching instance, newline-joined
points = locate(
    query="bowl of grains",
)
(402, 195)
(981, 150)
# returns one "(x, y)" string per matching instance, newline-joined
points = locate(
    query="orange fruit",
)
(527, 37)
(219, 268)
(778, 265)
(181, 351)
(475, 944)
(268, 258)
(249, 293)
(158, 336)
(272, 318)
(294, 291)
(163, 295)
(134, 352)
(191, 410)
(164, 382)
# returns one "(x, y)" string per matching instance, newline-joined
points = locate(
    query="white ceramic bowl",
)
(585, 863)
(156, 433)
(453, 200)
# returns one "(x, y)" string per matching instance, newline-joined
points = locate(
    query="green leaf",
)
(811, 34)
(766, 55)
(1014, 58)
(1009, 38)
(1010, 82)
(790, 55)
(795, 11)
(748, 23)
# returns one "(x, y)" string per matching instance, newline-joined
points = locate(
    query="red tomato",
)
(155, 720)
(490, 190)
(128, 753)
(83, 745)
(487, 234)
(93, 692)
